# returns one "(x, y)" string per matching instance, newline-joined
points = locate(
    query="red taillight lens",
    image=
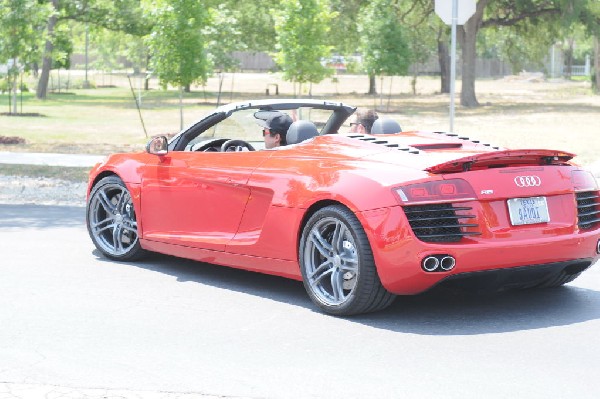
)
(447, 189)
(436, 191)
(418, 192)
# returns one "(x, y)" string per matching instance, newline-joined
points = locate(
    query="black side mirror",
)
(158, 146)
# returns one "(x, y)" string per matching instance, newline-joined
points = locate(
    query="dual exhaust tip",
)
(438, 263)
(445, 263)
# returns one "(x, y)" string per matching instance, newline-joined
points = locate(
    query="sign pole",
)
(456, 12)
(453, 63)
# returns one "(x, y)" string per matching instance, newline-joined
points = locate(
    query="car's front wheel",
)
(337, 264)
(111, 220)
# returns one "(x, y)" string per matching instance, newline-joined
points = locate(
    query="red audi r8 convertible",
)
(359, 218)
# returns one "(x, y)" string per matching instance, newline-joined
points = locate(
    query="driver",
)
(275, 126)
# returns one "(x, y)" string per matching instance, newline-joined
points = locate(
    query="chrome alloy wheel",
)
(331, 261)
(111, 220)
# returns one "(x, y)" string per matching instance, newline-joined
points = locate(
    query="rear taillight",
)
(436, 191)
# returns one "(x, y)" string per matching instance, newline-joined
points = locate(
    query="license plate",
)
(531, 210)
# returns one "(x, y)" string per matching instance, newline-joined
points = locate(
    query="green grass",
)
(96, 120)
(516, 113)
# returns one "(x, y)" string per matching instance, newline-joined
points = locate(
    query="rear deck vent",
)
(437, 146)
(376, 140)
(588, 209)
(439, 222)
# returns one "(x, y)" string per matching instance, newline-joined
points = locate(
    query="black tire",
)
(111, 220)
(337, 266)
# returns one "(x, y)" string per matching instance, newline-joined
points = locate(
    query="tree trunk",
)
(221, 76)
(597, 64)
(444, 61)
(232, 86)
(15, 84)
(469, 74)
(42, 89)
(467, 38)
(9, 86)
(180, 108)
(372, 85)
(147, 79)
(569, 59)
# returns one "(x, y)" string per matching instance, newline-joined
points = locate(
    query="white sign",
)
(465, 9)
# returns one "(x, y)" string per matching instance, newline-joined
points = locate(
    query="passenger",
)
(363, 120)
(275, 126)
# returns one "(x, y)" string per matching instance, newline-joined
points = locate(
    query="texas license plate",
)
(531, 210)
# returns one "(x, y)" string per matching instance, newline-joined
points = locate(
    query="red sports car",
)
(359, 218)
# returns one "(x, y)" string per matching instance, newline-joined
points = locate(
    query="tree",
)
(19, 36)
(302, 27)
(383, 40)
(344, 37)
(121, 15)
(422, 29)
(63, 48)
(177, 44)
(42, 88)
(254, 19)
(596, 75)
(509, 13)
(223, 38)
(523, 47)
(443, 59)
(590, 18)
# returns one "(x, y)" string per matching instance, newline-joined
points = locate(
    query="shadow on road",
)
(41, 217)
(445, 312)
(437, 312)
(184, 270)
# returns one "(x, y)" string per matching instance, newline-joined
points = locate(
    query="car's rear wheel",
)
(337, 264)
(111, 220)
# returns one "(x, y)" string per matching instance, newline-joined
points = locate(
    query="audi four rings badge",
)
(528, 181)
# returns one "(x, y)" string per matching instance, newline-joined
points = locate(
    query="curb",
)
(49, 159)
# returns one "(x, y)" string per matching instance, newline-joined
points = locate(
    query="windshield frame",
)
(340, 113)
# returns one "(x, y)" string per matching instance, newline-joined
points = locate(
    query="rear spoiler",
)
(503, 159)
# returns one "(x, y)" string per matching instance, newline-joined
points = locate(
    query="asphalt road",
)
(73, 324)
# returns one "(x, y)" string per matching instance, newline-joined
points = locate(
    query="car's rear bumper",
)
(544, 275)
(399, 254)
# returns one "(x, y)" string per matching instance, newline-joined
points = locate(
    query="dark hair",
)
(282, 140)
(366, 117)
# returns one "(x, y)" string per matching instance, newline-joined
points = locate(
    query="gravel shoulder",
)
(41, 191)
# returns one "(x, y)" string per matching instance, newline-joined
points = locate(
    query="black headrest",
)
(300, 131)
(385, 126)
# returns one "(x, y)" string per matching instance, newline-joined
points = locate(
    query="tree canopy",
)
(176, 42)
(384, 46)
(302, 27)
(186, 40)
(20, 39)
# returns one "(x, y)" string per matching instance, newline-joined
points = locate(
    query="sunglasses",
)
(269, 132)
